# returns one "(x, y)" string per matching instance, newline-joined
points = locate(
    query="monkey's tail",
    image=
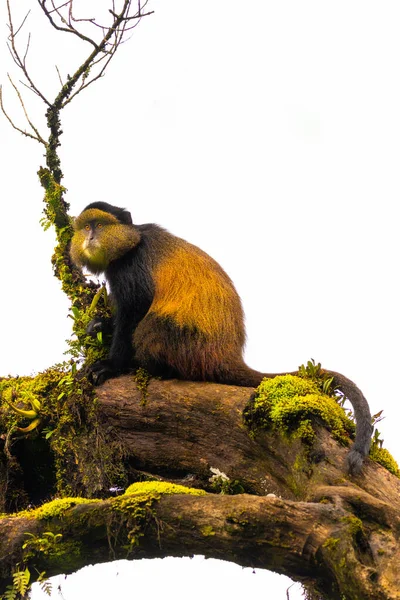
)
(362, 414)
(245, 376)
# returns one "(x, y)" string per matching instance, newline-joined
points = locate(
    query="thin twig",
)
(24, 132)
(62, 5)
(59, 75)
(59, 28)
(28, 43)
(22, 24)
(34, 129)
(17, 59)
(116, 30)
(137, 16)
(28, 87)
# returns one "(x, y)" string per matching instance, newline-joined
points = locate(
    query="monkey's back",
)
(195, 322)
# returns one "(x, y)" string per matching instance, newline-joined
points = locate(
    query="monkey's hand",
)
(102, 370)
(103, 324)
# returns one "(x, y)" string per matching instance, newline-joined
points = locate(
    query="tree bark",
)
(301, 515)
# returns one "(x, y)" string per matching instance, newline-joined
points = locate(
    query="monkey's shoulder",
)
(158, 238)
(177, 256)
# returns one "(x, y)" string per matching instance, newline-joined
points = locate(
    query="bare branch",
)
(72, 18)
(60, 15)
(62, 6)
(116, 30)
(21, 63)
(28, 87)
(34, 129)
(37, 137)
(137, 16)
(70, 29)
(59, 76)
(27, 48)
(22, 24)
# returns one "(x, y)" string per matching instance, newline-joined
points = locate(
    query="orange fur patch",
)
(193, 290)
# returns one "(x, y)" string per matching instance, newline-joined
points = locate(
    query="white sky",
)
(267, 133)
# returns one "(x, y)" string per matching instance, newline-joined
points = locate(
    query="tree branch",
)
(36, 137)
(69, 29)
(306, 541)
(21, 63)
(301, 515)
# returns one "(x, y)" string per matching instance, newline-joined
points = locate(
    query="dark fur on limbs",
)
(177, 312)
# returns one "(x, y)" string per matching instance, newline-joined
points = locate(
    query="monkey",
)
(177, 313)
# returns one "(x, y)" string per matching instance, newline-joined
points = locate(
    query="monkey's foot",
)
(101, 370)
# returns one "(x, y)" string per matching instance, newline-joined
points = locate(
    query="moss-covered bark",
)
(301, 514)
(313, 542)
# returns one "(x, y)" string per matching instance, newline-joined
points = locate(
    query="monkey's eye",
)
(99, 225)
(87, 227)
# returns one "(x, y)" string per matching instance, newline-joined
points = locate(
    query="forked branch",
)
(36, 135)
(63, 17)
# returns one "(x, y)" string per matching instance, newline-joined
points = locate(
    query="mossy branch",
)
(281, 535)
(301, 514)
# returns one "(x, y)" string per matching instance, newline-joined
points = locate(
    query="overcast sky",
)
(265, 132)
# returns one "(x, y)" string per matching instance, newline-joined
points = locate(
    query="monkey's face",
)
(100, 238)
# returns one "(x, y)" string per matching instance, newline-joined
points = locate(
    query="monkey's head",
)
(103, 233)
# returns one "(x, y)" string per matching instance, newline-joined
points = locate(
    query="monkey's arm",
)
(121, 353)
(100, 324)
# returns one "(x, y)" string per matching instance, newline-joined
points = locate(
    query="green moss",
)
(384, 458)
(161, 487)
(88, 300)
(137, 502)
(142, 378)
(207, 531)
(292, 404)
(136, 509)
(331, 543)
(54, 509)
(298, 479)
(355, 524)
(57, 508)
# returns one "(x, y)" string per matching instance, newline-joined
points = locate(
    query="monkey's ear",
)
(125, 217)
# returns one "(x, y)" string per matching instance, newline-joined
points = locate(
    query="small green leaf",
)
(76, 312)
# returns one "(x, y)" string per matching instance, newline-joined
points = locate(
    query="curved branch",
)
(306, 541)
(42, 4)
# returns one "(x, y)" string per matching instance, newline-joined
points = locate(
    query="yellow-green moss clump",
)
(384, 458)
(137, 504)
(142, 378)
(162, 487)
(54, 509)
(292, 404)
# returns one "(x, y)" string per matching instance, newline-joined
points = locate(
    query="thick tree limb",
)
(307, 541)
(321, 527)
